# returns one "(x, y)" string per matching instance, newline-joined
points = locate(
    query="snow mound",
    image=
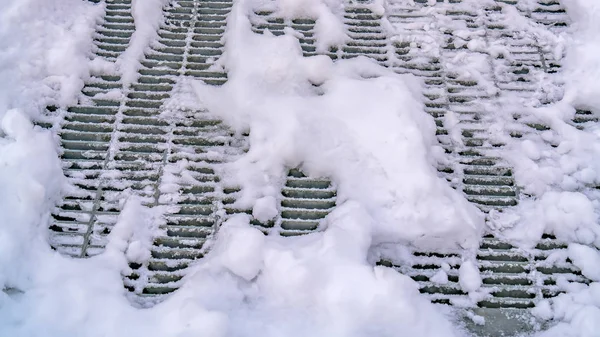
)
(45, 56)
(351, 120)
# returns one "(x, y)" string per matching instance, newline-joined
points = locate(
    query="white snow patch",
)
(571, 216)
(265, 209)
(587, 259)
(137, 227)
(30, 180)
(363, 127)
(329, 30)
(114, 95)
(240, 247)
(469, 277)
(582, 67)
(440, 277)
(45, 52)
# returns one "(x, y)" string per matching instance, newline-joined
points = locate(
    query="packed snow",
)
(380, 127)
(45, 55)
(354, 121)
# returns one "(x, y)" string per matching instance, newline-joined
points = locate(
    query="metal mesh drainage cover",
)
(304, 203)
(115, 148)
(514, 279)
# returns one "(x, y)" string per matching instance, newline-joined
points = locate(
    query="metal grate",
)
(303, 28)
(112, 37)
(367, 37)
(197, 144)
(115, 147)
(86, 132)
(305, 201)
(513, 279)
(485, 179)
(584, 116)
(551, 14)
(119, 146)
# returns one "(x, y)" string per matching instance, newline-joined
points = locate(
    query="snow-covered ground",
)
(357, 122)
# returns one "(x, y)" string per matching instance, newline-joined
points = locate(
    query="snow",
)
(240, 247)
(114, 95)
(265, 209)
(559, 170)
(340, 294)
(329, 29)
(571, 216)
(587, 259)
(440, 277)
(577, 313)
(468, 276)
(542, 310)
(581, 64)
(136, 231)
(352, 121)
(319, 284)
(31, 178)
(44, 56)
(356, 141)
(554, 167)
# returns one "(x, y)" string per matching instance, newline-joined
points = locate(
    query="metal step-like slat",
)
(120, 147)
(112, 148)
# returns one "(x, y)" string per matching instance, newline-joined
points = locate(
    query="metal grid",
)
(114, 148)
(304, 28)
(514, 279)
(304, 202)
(112, 38)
